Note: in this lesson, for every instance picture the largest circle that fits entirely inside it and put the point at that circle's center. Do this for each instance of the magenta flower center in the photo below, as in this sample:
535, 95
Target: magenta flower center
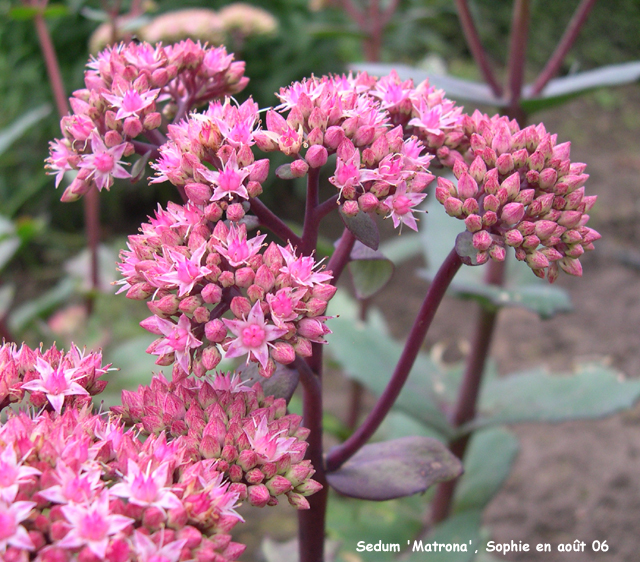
401, 204
238, 251
103, 162
229, 180
282, 306
132, 102
188, 272
93, 527
144, 489
8, 474
56, 383
253, 336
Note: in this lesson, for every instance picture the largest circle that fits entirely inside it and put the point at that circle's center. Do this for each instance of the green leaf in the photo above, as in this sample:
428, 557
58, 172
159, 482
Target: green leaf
7, 293
456, 88
462, 529
363, 227
560, 90
55, 11
282, 384
284, 172
487, 464
395, 469
391, 522
328, 31
370, 270
139, 167
13, 132
8, 248
369, 355
398, 424
41, 306
594, 391
23, 13
94, 15
521, 288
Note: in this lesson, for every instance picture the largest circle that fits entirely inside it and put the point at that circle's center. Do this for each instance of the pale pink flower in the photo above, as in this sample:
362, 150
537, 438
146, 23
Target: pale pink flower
74, 487
55, 383
149, 551
12, 474
11, 532
401, 205
58, 161
146, 488
284, 303
268, 445
104, 163
228, 181
92, 525
252, 336
230, 382
131, 102
236, 248
187, 272
438, 118
301, 269
178, 338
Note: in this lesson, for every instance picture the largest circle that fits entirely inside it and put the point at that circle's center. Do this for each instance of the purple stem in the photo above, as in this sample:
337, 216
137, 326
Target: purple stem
517, 51
144, 147
476, 48
324, 208
342, 453
272, 222
465, 408
311, 220
568, 39
340, 257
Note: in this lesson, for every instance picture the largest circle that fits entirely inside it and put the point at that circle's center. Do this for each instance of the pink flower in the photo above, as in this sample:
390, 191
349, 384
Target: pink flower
236, 248
148, 488
12, 474
228, 181
58, 161
104, 163
131, 102
149, 551
178, 339
73, 487
252, 336
436, 119
55, 383
11, 532
187, 272
284, 303
269, 446
401, 204
92, 525
301, 269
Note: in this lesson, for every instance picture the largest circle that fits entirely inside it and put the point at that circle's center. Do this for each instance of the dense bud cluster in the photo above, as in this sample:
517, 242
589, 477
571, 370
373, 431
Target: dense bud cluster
53, 378
126, 86
248, 436
519, 188
194, 271
80, 486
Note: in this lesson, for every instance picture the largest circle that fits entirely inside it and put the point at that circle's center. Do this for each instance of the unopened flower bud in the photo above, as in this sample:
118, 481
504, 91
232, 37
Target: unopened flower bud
112, 138
478, 169
316, 156
298, 500
299, 168
240, 306
473, 223
482, 240
537, 260
333, 136
132, 127
511, 185
283, 353
453, 207
512, 213
278, 485
467, 187
505, 164
258, 495
470, 206
350, 208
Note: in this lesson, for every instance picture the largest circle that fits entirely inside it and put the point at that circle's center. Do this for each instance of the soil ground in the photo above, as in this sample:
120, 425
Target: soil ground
578, 480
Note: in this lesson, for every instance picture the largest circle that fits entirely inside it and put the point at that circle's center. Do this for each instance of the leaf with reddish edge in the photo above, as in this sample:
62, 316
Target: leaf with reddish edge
363, 227
395, 469
370, 270
282, 384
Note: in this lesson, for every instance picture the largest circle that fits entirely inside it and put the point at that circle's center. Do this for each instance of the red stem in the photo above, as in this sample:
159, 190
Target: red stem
476, 48
51, 62
342, 453
518, 51
311, 220
465, 408
340, 257
568, 39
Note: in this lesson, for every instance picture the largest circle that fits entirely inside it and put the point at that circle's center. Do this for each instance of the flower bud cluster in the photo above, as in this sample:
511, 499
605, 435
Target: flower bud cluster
193, 271
124, 88
209, 156
247, 436
79, 486
53, 378
385, 133
519, 188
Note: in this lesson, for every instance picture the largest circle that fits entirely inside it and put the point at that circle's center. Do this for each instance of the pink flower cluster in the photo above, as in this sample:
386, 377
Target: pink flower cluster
53, 378
385, 133
125, 86
76, 485
248, 437
519, 188
194, 271
209, 155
